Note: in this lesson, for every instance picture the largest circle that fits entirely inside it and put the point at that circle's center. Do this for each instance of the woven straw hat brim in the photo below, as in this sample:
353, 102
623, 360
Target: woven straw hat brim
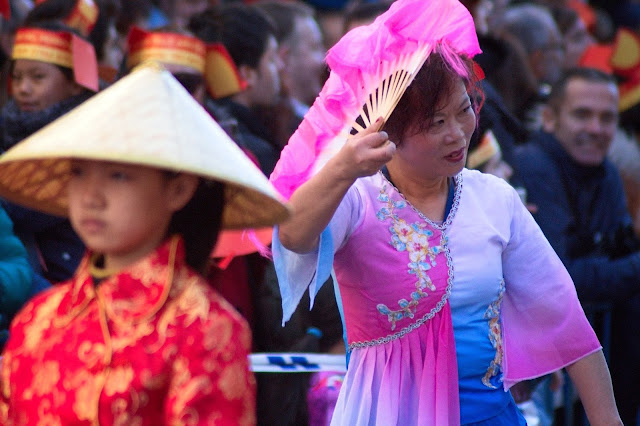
146, 118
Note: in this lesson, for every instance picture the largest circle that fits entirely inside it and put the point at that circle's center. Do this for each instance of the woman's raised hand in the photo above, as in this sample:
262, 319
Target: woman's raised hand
365, 153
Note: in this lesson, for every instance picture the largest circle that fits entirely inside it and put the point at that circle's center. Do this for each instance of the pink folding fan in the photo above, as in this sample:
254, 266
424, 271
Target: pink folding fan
371, 67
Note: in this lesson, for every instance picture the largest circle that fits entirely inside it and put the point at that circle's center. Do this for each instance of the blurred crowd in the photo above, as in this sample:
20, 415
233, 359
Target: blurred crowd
571, 149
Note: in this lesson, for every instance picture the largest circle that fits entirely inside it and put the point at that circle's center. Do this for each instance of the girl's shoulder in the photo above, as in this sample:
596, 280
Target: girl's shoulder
208, 320
44, 304
198, 300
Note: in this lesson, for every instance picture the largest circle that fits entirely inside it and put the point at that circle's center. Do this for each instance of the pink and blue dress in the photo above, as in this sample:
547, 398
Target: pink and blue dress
440, 319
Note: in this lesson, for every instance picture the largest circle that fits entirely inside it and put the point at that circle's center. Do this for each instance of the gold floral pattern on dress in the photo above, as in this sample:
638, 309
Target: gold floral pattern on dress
87, 388
44, 378
41, 320
189, 386
414, 239
230, 386
124, 337
495, 336
119, 380
47, 419
91, 353
81, 352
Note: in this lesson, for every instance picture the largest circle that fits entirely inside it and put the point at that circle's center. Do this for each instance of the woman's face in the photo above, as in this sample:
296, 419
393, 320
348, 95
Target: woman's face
38, 85
441, 150
121, 211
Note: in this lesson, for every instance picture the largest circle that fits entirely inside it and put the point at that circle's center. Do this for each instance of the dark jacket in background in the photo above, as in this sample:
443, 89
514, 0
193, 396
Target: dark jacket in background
579, 208
253, 136
582, 212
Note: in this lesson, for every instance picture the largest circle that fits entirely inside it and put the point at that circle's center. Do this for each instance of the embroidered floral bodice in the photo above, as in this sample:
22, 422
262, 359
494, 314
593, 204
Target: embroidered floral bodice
398, 299
448, 307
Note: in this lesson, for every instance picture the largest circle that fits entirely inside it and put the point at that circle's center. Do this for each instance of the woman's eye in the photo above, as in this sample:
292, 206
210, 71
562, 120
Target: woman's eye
437, 123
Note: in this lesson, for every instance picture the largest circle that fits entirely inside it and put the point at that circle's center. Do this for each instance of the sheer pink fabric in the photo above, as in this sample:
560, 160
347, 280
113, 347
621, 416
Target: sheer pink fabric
405, 26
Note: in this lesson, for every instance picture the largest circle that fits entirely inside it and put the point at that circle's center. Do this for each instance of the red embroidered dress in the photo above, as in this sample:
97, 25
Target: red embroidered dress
151, 345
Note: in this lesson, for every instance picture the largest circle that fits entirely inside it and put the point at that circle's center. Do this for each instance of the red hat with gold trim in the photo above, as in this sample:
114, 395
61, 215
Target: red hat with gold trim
83, 16
165, 48
221, 75
59, 48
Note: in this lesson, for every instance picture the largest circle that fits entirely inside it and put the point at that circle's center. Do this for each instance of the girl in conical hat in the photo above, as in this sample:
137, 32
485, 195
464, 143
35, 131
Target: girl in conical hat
136, 336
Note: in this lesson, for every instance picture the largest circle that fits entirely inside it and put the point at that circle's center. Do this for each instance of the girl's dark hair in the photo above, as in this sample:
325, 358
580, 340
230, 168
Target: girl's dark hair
435, 80
243, 30
199, 223
51, 10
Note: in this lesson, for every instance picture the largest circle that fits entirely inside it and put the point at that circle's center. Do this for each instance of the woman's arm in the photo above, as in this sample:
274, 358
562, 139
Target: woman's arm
315, 202
591, 377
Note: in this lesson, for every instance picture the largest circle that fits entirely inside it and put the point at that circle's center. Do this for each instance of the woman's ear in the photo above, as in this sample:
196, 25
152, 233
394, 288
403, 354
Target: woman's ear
180, 190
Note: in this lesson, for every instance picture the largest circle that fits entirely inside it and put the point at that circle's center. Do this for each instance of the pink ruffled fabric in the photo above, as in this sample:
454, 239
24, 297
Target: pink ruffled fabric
408, 381
405, 26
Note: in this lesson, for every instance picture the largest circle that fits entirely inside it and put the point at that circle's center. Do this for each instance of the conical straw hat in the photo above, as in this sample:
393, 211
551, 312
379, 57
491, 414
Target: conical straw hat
146, 118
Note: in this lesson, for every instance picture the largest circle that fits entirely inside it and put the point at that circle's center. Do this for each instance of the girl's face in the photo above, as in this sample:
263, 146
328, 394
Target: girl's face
123, 211
38, 85
441, 151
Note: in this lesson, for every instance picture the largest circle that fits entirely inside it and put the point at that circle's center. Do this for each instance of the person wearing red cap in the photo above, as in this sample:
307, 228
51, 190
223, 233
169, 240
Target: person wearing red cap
180, 53
93, 19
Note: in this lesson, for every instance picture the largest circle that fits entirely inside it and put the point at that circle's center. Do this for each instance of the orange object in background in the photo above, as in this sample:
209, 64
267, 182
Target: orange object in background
233, 243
